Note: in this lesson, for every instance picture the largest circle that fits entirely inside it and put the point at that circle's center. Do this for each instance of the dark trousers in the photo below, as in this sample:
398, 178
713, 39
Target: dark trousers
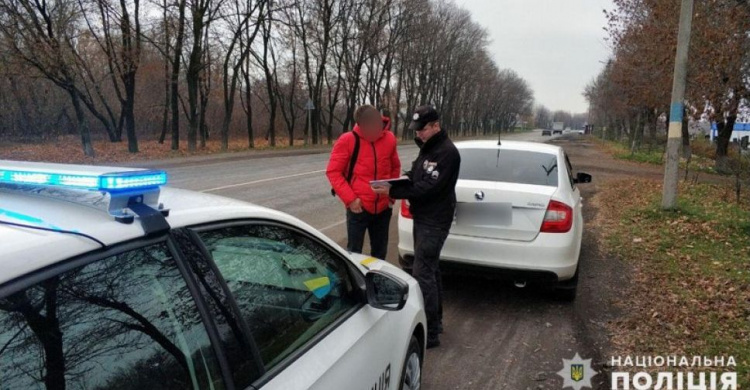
428, 242
377, 225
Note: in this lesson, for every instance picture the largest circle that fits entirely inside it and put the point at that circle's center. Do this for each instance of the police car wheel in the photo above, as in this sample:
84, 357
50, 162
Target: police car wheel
411, 378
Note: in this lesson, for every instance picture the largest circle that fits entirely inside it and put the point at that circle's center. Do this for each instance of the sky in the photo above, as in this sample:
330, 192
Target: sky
558, 46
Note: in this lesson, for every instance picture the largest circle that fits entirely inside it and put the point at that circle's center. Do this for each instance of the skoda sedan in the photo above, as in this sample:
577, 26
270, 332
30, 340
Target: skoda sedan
518, 213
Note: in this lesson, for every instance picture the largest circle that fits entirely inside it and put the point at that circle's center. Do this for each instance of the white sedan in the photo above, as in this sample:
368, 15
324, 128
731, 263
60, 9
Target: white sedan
518, 211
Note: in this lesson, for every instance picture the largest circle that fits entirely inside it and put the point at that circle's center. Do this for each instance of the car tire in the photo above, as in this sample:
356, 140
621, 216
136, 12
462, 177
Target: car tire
411, 374
566, 291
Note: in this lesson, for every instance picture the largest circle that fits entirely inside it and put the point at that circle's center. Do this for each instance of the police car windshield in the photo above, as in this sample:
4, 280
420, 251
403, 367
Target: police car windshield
509, 166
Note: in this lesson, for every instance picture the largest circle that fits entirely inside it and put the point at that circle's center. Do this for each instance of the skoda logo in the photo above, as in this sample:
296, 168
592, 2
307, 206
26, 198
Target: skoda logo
479, 195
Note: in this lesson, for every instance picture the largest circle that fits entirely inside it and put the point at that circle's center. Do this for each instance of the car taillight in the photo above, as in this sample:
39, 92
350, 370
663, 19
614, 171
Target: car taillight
405, 209
558, 218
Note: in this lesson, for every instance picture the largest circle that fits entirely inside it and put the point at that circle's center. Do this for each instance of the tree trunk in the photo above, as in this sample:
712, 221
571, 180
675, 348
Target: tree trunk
248, 107
82, 123
192, 78
723, 137
128, 112
175, 77
167, 78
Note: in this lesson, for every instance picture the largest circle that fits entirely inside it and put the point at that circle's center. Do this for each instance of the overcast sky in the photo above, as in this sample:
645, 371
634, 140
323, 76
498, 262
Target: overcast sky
556, 45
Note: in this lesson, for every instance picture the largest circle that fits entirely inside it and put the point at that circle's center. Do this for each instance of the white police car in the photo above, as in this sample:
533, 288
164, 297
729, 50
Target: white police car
109, 281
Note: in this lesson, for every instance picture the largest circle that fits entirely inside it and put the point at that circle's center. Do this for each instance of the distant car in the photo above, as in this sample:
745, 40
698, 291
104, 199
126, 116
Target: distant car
547, 132
557, 131
517, 213
108, 280
581, 132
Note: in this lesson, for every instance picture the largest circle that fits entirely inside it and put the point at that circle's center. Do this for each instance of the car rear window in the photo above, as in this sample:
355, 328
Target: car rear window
510, 166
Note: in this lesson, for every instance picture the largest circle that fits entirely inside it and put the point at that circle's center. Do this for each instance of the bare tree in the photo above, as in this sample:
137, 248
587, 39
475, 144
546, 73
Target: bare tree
40, 34
117, 32
239, 24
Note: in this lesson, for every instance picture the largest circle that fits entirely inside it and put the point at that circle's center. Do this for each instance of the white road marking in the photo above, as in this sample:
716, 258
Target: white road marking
331, 226
262, 181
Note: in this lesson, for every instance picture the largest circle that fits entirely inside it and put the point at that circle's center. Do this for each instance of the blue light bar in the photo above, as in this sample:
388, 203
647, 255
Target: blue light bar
131, 180
116, 181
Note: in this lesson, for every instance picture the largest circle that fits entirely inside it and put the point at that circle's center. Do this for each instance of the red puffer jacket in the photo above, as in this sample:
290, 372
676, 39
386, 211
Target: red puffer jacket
376, 161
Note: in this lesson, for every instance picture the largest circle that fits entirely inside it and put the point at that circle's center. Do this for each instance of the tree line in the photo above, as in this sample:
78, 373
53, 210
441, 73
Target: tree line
631, 96
194, 70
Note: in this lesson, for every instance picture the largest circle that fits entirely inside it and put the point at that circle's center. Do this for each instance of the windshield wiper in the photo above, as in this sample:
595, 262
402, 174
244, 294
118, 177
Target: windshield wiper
552, 168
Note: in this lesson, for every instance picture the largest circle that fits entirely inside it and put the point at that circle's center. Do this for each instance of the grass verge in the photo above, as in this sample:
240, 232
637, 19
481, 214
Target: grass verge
620, 151
702, 159
690, 290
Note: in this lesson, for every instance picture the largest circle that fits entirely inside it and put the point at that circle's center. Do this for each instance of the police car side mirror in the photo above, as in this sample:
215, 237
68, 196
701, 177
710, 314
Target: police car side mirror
385, 291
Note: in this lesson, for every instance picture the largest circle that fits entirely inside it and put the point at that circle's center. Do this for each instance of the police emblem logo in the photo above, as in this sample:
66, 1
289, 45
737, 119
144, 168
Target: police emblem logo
577, 373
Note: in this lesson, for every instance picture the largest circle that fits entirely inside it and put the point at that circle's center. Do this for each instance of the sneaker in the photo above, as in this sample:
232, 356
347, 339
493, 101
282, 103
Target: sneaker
433, 342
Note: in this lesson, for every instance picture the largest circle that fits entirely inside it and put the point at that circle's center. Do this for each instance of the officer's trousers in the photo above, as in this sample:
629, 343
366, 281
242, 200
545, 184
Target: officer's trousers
428, 242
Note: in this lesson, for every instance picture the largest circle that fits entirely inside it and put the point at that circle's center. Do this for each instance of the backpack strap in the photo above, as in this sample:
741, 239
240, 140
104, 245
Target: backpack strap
353, 160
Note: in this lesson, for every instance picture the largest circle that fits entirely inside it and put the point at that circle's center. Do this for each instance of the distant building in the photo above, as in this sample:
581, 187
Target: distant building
740, 130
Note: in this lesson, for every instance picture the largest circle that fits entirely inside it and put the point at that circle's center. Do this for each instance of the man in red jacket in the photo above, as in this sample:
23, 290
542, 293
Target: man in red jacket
377, 159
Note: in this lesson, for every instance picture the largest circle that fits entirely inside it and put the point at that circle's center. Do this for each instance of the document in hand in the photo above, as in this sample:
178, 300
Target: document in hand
389, 182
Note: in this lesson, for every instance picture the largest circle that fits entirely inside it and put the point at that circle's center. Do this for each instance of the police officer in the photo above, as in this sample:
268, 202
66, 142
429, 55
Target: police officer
432, 197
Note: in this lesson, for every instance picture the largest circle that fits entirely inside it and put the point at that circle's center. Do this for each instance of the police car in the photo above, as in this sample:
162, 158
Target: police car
109, 280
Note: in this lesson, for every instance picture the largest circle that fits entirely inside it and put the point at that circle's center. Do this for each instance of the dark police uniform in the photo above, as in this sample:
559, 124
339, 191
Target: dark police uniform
432, 199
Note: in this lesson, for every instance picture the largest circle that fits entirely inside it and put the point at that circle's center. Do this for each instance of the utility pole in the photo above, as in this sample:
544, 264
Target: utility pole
672, 166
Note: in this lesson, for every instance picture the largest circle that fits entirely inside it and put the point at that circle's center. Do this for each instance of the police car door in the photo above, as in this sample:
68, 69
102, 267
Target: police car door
305, 308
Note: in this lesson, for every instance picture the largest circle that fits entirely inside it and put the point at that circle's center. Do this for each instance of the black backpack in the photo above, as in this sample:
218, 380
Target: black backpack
352, 161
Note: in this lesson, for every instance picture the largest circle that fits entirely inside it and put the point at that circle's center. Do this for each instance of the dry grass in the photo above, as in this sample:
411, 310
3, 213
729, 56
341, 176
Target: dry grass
68, 150
690, 288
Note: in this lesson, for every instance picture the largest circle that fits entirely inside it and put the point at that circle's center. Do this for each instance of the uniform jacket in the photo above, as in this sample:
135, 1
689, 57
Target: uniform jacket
377, 160
432, 191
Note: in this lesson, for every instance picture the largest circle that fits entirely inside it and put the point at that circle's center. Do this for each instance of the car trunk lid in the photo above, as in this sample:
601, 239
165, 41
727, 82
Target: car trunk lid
503, 193
498, 210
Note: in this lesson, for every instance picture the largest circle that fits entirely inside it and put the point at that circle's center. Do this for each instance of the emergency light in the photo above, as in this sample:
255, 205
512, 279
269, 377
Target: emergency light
126, 191
78, 177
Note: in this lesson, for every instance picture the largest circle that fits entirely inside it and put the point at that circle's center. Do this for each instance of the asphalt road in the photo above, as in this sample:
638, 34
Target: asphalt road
294, 184
496, 336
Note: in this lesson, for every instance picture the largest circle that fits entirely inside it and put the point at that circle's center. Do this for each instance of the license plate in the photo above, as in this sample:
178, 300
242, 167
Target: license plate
484, 214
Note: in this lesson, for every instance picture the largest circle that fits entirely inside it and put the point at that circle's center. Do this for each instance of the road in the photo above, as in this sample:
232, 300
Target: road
496, 336
294, 184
